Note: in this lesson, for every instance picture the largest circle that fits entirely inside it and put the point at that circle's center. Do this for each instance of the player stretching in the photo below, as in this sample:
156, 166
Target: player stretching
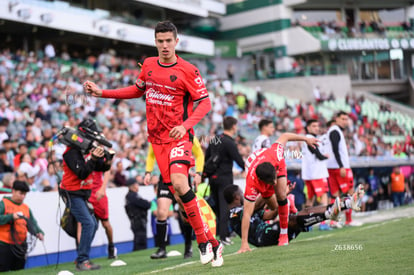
339, 169
267, 176
314, 171
172, 86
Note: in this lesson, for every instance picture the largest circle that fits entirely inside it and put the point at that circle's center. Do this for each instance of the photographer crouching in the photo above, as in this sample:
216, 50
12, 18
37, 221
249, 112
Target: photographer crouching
79, 161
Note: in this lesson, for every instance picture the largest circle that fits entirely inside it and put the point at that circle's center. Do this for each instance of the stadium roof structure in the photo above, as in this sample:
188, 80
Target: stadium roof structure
362, 4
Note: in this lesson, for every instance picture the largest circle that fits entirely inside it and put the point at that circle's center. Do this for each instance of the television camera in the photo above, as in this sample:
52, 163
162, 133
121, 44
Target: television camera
84, 138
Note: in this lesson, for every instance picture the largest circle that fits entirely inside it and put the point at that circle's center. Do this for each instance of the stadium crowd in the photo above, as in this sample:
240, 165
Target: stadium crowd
40, 93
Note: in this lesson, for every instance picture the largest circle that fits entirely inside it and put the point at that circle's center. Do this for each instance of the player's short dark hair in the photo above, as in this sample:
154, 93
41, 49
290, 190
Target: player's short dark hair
330, 122
341, 113
266, 172
264, 122
20, 186
308, 123
166, 26
229, 193
229, 122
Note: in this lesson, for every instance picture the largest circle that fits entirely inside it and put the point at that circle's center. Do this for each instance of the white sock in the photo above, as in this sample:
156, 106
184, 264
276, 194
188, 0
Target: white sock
348, 203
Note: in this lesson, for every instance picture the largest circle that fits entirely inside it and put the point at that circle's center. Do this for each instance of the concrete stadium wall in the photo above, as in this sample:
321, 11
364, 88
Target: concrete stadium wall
302, 87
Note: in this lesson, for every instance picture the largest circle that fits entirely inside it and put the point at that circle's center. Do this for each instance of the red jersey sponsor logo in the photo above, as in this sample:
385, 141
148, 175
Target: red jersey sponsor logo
198, 81
158, 98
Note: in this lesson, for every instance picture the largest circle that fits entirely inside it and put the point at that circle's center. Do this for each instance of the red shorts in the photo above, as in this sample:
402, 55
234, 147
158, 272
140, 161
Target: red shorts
100, 208
174, 157
316, 187
337, 183
254, 186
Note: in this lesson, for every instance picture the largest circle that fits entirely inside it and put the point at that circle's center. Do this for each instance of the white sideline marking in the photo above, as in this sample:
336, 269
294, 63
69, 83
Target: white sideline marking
305, 240
184, 264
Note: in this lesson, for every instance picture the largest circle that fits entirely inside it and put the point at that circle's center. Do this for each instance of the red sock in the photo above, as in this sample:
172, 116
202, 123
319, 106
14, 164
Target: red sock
283, 216
348, 215
210, 236
194, 218
333, 200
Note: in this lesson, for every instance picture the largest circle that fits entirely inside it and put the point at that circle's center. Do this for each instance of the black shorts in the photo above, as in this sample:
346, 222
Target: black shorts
164, 191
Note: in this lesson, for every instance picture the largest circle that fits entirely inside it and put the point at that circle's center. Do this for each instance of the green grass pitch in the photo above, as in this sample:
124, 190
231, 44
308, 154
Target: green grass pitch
376, 248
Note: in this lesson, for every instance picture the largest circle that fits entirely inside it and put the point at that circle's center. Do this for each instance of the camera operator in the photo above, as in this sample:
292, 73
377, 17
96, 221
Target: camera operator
76, 189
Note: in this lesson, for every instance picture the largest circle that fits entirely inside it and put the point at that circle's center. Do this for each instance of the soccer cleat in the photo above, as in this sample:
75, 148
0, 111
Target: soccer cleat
353, 223
188, 253
87, 265
227, 241
159, 254
291, 201
283, 240
218, 256
356, 198
206, 252
336, 209
112, 252
324, 227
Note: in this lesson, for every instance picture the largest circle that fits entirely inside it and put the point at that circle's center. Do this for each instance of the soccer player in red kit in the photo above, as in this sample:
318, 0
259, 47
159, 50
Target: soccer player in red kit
267, 176
99, 201
172, 86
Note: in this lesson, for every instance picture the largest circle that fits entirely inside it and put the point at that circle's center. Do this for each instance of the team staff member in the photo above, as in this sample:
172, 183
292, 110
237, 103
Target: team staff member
341, 178
314, 170
136, 208
16, 219
267, 176
226, 147
172, 86
165, 199
75, 188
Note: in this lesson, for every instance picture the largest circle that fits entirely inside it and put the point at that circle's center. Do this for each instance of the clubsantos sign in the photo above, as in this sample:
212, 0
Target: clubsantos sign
361, 44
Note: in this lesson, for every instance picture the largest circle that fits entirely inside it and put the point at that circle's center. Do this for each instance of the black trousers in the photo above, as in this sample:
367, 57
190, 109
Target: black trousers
220, 208
8, 261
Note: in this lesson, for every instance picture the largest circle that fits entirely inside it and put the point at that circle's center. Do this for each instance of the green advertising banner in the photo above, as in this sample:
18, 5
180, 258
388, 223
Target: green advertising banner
367, 44
226, 48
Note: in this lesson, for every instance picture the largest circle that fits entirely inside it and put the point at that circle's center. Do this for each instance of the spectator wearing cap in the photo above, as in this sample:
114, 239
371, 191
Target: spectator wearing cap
41, 159
136, 208
16, 220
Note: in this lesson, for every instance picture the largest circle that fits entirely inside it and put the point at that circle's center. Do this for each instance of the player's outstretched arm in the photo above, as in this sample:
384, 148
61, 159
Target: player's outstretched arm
122, 93
92, 89
247, 213
285, 137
